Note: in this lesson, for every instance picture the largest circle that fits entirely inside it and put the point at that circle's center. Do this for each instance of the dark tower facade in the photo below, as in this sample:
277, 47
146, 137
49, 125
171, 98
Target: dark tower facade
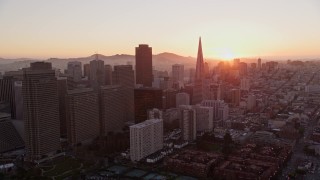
40, 110
124, 75
144, 100
144, 65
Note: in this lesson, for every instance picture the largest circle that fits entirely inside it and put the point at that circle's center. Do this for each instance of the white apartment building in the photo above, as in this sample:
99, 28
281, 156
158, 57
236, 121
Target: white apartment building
145, 138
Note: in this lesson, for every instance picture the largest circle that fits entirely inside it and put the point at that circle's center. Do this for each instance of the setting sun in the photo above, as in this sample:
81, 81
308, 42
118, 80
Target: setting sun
225, 54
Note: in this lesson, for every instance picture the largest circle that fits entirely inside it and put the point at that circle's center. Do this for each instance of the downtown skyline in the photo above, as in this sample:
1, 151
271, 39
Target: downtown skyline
41, 30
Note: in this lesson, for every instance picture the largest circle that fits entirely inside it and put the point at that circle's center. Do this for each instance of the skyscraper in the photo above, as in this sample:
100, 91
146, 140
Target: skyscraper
188, 123
74, 70
177, 73
113, 108
144, 65
198, 81
146, 138
220, 110
62, 91
7, 94
86, 70
236, 63
169, 98
243, 68
108, 73
200, 63
18, 99
182, 99
259, 64
144, 100
124, 75
97, 73
245, 84
41, 110
235, 96
204, 118
82, 115
206, 69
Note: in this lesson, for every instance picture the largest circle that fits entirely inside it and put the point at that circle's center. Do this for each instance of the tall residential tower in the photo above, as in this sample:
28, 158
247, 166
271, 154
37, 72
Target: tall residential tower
41, 110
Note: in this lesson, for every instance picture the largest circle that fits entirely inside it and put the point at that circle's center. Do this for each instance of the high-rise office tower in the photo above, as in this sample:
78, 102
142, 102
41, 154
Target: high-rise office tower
188, 123
206, 69
41, 110
223, 113
198, 82
74, 70
182, 99
7, 94
259, 64
10, 89
192, 75
112, 108
204, 118
86, 70
243, 68
188, 88
178, 73
146, 138
220, 110
144, 65
124, 75
169, 98
146, 99
236, 63
18, 99
253, 66
82, 115
62, 91
97, 73
235, 96
108, 73
245, 84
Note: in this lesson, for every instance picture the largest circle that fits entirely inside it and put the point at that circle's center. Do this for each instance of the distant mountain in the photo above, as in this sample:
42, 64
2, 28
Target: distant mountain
170, 57
162, 61
7, 61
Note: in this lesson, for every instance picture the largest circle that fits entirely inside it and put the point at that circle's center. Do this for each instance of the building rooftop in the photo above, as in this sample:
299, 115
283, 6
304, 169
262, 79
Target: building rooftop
146, 123
110, 86
80, 90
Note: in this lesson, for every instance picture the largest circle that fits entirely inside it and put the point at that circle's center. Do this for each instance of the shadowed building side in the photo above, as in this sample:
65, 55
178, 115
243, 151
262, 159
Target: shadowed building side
144, 65
41, 111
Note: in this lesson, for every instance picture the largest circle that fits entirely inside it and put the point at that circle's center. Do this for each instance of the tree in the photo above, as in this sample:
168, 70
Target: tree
227, 139
1, 175
226, 150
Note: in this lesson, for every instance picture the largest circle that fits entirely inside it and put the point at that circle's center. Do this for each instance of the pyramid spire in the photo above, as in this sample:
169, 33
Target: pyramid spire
200, 65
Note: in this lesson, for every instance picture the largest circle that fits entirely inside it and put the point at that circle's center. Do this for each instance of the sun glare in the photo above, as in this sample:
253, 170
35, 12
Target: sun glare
224, 54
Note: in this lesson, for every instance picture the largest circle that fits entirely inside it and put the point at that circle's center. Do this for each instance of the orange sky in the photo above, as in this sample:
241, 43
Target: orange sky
44, 29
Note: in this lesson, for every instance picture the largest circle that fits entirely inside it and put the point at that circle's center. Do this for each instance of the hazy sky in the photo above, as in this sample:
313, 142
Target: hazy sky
229, 28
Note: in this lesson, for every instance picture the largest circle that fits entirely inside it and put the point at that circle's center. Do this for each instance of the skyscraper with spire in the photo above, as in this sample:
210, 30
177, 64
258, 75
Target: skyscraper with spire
200, 63
199, 77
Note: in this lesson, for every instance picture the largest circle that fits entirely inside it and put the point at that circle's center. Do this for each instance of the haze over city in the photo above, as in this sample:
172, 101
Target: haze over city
160, 90
250, 28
